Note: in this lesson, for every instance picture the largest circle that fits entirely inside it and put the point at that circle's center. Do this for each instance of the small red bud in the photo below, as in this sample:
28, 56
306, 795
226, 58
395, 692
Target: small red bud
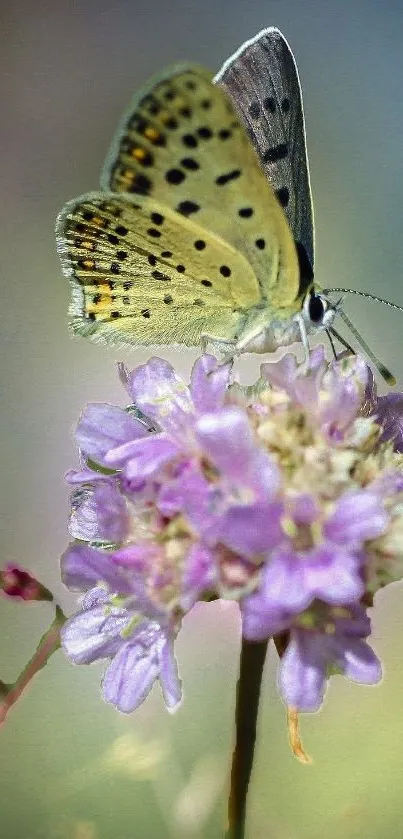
17, 582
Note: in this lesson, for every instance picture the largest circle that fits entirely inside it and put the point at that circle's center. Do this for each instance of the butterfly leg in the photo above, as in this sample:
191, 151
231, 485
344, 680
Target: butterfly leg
218, 348
218, 345
304, 341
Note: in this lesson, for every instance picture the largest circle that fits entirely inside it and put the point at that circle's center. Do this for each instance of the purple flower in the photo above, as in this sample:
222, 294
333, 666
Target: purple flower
329, 565
330, 394
330, 642
282, 496
174, 408
140, 647
104, 427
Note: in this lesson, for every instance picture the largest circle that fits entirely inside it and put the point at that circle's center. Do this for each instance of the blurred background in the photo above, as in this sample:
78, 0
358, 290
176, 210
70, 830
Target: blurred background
71, 766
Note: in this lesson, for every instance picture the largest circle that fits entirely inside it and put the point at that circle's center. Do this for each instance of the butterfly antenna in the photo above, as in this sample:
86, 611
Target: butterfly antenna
364, 294
384, 372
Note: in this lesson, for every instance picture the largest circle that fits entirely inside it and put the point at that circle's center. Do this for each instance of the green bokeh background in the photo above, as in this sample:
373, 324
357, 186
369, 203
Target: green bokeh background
71, 766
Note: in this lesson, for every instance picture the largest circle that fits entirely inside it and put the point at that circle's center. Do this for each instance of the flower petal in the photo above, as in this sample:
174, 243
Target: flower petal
171, 685
301, 675
129, 678
282, 373
132, 673
103, 427
137, 557
192, 495
84, 567
142, 458
303, 509
208, 383
360, 663
226, 437
333, 574
258, 622
250, 530
283, 583
200, 575
388, 413
358, 516
99, 513
161, 394
85, 476
281, 595
94, 634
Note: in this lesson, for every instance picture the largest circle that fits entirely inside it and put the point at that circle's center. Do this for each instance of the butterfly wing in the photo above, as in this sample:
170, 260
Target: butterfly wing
143, 274
181, 143
262, 81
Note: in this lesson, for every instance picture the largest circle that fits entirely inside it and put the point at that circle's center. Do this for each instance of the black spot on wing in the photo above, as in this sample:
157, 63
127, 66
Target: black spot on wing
275, 153
245, 212
157, 218
190, 164
190, 141
174, 176
269, 104
159, 275
228, 176
140, 184
205, 132
283, 196
186, 208
254, 110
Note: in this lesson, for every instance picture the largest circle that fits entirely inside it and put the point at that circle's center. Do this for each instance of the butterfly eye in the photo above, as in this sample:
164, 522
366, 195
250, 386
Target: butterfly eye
316, 307
318, 312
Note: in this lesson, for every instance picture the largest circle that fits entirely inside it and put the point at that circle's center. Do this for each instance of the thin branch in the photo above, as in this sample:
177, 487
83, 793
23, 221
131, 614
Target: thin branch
252, 660
48, 644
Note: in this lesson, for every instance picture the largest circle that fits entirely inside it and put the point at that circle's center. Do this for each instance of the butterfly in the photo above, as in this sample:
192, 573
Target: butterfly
203, 230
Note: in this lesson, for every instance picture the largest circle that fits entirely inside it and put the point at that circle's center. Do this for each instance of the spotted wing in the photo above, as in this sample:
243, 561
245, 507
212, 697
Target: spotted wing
143, 274
181, 143
262, 81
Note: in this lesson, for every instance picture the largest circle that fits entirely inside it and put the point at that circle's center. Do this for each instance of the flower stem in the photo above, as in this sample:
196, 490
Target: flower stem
252, 660
49, 643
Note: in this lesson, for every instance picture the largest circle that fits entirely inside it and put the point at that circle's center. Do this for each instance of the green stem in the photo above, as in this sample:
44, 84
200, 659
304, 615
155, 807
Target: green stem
252, 660
49, 643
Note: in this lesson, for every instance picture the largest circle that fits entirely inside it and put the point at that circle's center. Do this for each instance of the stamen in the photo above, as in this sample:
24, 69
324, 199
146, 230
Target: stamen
294, 736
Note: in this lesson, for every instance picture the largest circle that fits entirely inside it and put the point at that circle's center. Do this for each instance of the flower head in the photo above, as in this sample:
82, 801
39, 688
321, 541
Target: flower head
285, 496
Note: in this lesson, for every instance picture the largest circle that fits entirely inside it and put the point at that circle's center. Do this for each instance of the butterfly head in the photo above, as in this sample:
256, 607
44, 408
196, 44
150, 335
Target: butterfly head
318, 311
